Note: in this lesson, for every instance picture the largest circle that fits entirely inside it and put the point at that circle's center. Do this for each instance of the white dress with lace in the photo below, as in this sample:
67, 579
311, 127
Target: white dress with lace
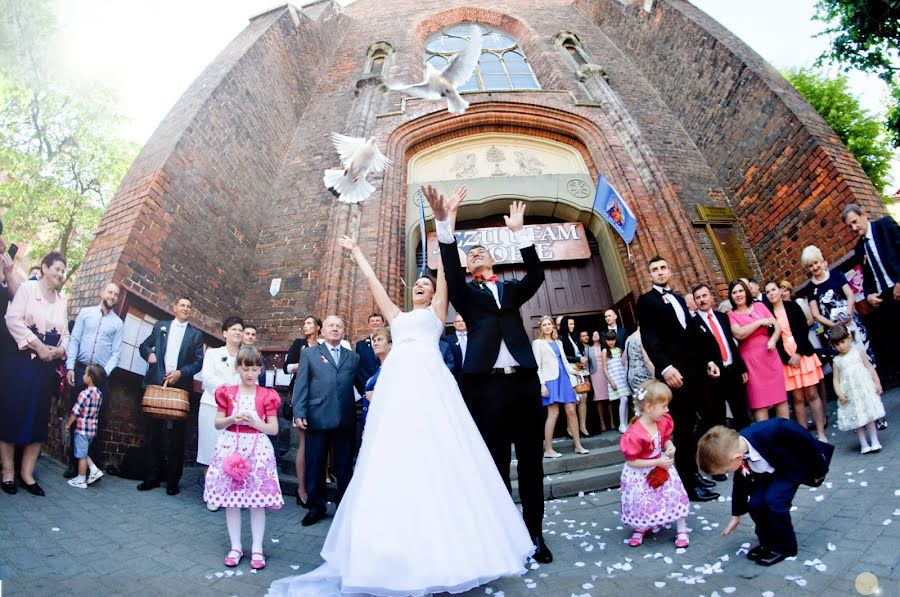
426, 510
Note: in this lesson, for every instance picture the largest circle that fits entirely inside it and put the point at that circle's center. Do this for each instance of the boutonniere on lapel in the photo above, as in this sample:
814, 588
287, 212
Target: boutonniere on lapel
163, 329
481, 280
703, 329
665, 299
324, 360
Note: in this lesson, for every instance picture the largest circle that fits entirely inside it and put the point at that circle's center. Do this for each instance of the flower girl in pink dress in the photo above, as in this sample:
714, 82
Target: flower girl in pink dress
243, 472
652, 492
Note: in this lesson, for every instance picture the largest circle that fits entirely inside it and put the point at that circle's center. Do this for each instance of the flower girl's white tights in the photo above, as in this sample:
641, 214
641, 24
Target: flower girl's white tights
257, 527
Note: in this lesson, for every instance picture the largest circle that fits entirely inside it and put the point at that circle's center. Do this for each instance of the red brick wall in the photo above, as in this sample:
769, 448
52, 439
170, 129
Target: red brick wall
785, 172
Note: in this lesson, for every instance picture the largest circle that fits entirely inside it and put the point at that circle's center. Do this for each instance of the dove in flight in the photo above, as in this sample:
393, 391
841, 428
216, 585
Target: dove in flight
359, 157
438, 84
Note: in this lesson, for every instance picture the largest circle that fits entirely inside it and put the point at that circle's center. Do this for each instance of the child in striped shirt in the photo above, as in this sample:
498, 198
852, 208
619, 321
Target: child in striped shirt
84, 416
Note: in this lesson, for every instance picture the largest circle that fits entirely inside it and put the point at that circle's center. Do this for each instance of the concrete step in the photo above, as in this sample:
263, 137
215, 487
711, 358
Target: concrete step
571, 462
572, 483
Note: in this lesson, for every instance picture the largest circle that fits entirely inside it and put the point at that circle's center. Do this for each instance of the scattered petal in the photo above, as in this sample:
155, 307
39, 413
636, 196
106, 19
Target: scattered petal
821, 567
729, 590
659, 584
886, 522
587, 585
863, 483
768, 594
667, 559
832, 547
626, 567
579, 564
295, 567
274, 540
819, 498
680, 550
220, 574
55, 529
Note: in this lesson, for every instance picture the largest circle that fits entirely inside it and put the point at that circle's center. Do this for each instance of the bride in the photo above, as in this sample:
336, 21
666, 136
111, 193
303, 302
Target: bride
426, 511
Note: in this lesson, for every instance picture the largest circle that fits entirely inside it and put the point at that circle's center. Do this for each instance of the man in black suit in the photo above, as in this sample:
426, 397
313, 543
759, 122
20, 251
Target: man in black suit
682, 358
730, 386
612, 324
368, 362
878, 250
174, 353
499, 381
458, 342
324, 407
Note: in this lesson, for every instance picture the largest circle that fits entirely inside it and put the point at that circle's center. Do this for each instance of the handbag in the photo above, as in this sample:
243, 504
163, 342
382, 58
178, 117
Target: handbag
236, 465
583, 387
657, 477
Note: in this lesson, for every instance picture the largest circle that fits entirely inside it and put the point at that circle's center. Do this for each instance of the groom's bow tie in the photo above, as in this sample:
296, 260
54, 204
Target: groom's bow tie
665, 290
479, 279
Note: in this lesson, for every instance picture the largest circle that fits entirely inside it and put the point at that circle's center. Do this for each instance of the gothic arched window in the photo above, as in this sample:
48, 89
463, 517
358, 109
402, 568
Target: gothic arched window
502, 66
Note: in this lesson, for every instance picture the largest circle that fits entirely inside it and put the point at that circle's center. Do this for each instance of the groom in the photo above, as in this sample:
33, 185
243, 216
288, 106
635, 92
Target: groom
499, 375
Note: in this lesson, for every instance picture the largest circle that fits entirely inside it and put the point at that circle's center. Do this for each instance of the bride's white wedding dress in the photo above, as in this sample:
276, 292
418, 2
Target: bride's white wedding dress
426, 510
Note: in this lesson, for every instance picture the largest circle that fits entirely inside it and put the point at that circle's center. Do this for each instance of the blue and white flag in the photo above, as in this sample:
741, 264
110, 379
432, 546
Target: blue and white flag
609, 204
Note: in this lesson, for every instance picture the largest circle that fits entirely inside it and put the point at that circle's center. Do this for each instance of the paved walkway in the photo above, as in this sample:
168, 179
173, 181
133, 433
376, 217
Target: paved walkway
112, 540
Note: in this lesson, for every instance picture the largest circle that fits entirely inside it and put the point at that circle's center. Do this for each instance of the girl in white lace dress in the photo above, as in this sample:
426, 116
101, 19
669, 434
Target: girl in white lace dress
858, 390
426, 510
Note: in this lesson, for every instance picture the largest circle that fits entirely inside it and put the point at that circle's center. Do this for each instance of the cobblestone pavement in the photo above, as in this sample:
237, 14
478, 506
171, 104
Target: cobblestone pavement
112, 540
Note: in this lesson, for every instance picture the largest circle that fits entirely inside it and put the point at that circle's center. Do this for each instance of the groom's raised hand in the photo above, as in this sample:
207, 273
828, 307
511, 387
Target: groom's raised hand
444, 209
515, 221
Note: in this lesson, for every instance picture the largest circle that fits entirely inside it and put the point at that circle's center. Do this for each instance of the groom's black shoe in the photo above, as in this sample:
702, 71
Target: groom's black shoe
701, 481
312, 517
542, 554
701, 494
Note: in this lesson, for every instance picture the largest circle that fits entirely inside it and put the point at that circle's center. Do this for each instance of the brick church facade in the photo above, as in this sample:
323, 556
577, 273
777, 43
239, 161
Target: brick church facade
727, 169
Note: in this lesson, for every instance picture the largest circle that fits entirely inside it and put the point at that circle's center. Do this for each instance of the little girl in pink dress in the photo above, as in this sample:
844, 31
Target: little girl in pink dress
652, 492
243, 472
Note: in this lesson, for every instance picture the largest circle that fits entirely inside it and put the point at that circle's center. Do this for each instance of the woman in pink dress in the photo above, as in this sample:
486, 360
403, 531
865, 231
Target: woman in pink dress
599, 383
757, 333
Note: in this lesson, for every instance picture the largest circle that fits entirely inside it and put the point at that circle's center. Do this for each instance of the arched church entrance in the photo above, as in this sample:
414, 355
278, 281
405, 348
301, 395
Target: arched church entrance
584, 271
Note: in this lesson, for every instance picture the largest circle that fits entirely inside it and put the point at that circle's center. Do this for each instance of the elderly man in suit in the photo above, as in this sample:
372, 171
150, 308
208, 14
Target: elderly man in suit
878, 250
682, 359
324, 407
174, 353
612, 324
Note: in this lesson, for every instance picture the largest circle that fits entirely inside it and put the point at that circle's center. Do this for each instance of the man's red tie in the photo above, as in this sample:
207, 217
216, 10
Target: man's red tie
715, 330
480, 278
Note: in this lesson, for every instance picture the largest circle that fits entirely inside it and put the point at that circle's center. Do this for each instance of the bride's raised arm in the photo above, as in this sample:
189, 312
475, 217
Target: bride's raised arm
439, 302
385, 304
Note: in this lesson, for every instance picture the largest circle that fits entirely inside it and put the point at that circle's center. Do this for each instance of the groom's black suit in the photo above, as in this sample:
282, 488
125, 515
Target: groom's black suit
506, 407
688, 349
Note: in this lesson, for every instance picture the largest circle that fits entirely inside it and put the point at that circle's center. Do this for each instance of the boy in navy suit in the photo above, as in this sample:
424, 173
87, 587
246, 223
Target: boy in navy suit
770, 460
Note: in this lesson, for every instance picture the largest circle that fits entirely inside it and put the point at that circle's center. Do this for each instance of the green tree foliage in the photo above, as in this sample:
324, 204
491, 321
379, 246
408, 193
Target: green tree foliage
862, 133
866, 36
61, 159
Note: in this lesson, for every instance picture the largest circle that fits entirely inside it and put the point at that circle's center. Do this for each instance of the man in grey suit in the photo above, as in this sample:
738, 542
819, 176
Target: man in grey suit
324, 407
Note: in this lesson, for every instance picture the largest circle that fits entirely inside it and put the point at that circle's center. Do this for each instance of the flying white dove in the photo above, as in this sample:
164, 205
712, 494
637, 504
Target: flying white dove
359, 157
438, 84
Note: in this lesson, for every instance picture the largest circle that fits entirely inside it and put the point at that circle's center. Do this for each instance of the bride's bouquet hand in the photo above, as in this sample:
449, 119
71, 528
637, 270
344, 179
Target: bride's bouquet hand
347, 243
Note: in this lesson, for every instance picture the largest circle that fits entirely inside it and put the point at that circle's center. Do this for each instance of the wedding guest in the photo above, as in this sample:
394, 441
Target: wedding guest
612, 323
832, 301
574, 354
770, 460
556, 389
614, 370
757, 333
36, 320
458, 341
243, 472
174, 354
324, 407
674, 344
858, 389
691, 304
599, 385
584, 345
878, 249
447, 355
96, 338
35, 273
311, 328
381, 346
801, 365
368, 362
652, 492
86, 413
218, 370
730, 387
250, 336
638, 366
753, 285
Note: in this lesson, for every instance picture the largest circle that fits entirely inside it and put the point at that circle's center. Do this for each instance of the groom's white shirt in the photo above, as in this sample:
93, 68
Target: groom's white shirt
523, 240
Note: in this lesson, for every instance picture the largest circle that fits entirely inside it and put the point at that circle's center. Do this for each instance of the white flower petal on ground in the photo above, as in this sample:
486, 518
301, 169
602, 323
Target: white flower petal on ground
819, 498
295, 567
659, 584
55, 529
667, 559
579, 564
274, 540
587, 585
768, 594
626, 567
886, 522
729, 590
832, 547
220, 574
680, 550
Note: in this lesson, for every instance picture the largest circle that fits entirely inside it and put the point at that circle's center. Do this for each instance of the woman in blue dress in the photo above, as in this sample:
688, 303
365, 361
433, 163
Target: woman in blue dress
556, 386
